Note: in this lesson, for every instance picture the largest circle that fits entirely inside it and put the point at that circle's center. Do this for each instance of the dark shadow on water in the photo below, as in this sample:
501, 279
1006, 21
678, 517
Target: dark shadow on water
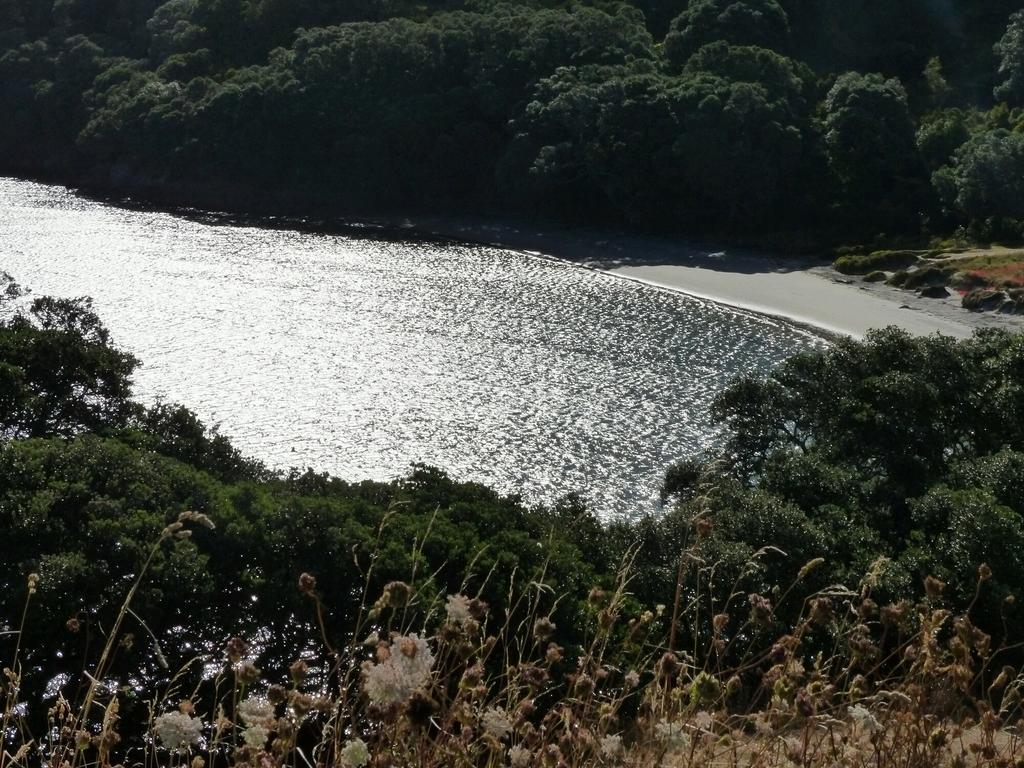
610, 249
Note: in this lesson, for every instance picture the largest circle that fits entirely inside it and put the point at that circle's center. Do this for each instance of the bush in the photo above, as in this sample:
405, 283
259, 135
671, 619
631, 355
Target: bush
877, 260
927, 277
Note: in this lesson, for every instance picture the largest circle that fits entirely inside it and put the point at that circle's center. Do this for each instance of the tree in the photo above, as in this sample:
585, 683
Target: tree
738, 22
869, 142
986, 177
60, 374
1010, 50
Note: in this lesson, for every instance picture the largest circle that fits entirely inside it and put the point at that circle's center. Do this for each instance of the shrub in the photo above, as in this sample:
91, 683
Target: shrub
877, 260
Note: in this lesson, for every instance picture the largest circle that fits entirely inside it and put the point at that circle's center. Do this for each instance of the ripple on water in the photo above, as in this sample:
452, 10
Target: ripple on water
361, 356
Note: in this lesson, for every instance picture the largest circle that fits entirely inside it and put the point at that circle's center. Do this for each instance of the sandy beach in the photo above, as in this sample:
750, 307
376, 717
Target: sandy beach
803, 290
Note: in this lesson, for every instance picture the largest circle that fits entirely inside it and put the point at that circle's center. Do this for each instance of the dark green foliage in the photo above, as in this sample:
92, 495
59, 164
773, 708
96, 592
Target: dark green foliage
986, 177
58, 373
761, 23
538, 107
869, 141
862, 264
673, 148
1010, 50
898, 447
503, 106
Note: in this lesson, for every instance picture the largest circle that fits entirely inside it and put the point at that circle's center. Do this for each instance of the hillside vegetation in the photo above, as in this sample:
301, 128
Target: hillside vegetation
846, 567
827, 120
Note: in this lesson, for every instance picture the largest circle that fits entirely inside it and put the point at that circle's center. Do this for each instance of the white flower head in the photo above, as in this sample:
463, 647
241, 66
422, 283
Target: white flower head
671, 734
762, 724
862, 716
255, 710
611, 747
457, 609
178, 731
703, 720
256, 736
496, 723
406, 669
355, 754
520, 757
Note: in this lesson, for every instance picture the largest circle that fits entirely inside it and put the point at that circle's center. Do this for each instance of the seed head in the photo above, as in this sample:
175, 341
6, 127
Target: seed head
237, 649
543, 629
934, 588
307, 583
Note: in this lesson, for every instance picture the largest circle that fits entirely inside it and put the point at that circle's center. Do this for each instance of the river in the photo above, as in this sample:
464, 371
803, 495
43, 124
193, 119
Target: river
360, 355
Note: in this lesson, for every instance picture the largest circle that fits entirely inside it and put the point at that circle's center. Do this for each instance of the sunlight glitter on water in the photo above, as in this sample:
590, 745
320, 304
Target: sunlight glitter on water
359, 356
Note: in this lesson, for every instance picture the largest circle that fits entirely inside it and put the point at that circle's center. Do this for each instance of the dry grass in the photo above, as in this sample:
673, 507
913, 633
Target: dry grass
426, 682
989, 268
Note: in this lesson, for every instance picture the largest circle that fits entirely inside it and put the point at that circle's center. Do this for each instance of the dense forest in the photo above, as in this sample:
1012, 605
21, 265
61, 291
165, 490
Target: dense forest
839, 120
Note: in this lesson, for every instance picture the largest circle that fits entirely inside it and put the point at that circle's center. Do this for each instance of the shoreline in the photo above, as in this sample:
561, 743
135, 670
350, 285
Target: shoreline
802, 290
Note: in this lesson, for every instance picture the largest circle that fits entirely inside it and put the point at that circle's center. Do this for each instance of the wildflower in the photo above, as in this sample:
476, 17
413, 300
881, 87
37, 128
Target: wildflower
307, 583
821, 610
805, 703
496, 723
247, 672
760, 608
934, 588
543, 628
611, 747
584, 685
255, 710
256, 736
396, 595
984, 572
301, 703
299, 671
406, 668
703, 720
276, 694
478, 609
670, 734
668, 665
177, 731
236, 649
862, 716
355, 754
762, 724
632, 679
519, 757
457, 608
533, 675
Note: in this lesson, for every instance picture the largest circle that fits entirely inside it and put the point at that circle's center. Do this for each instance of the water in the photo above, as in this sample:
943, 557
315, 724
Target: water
359, 356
